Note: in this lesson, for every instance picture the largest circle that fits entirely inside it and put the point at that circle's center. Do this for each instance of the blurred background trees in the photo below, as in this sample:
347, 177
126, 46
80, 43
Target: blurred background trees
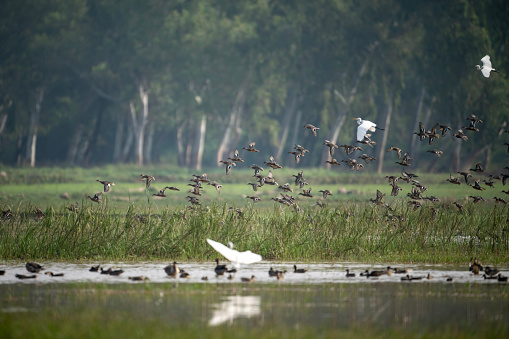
86, 82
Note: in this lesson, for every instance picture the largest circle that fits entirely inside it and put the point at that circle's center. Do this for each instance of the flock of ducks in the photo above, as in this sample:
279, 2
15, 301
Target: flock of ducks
174, 271
405, 160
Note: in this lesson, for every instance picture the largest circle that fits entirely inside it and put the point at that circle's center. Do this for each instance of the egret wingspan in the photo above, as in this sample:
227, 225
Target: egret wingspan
235, 256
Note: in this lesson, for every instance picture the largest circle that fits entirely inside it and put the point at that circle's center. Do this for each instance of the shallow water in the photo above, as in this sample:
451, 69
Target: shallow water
318, 273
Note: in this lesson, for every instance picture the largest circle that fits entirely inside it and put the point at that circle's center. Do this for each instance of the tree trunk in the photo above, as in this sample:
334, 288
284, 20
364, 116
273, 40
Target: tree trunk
126, 150
235, 114
149, 142
83, 151
201, 142
180, 144
3, 121
72, 151
290, 110
139, 123
381, 152
34, 126
119, 138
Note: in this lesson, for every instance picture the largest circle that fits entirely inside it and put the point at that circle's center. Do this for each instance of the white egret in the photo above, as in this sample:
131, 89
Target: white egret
237, 258
486, 66
364, 127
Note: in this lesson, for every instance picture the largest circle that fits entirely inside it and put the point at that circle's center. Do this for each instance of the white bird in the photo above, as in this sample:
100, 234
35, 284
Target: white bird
364, 127
486, 66
237, 258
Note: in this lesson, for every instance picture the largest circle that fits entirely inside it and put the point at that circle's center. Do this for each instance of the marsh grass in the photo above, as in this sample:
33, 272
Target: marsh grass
347, 231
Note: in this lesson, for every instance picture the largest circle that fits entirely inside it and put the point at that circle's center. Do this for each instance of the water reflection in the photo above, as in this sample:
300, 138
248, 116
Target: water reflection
235, 307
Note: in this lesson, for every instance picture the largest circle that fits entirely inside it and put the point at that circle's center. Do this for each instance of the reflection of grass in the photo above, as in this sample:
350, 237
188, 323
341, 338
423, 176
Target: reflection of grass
343, 230
287, 311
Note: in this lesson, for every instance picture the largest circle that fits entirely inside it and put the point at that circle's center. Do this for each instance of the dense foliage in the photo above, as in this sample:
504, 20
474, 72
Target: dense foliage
86, 82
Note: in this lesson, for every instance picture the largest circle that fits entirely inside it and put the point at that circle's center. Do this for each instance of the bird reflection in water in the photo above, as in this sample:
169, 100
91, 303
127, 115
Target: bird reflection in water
235, 307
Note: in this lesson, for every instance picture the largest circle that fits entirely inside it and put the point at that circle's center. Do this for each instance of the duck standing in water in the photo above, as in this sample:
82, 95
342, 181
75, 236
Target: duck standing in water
33, 267
172, 270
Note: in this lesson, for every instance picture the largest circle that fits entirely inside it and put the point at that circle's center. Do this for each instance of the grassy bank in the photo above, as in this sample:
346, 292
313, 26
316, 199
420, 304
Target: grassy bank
342, 231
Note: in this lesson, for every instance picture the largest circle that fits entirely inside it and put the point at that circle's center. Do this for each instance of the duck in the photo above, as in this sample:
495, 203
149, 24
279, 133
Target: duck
39, 213
172, 270
331, 146
107, 185
103, 271
217, 186
401, 271
491, 271
184, 275
275, 273
367, 158
478, 168
248, 280
422, 132
297, 156
348, 274
251, 147
256, 168
477, 185
325, 193
349, 149
333, 162
229, 164
286, 187
96, 197
436, 152
236, 157
22, 276
33, 267
231, 277
139, 278
388, 271
2, 272
254, 186
489, 277
502, 278
254, 199
306, 193
148, 179
54, 274
220, 269
116, 272
298, 270
205, 278
272, 163
460, 135
475, 266
466, 176
396, 149
312, 128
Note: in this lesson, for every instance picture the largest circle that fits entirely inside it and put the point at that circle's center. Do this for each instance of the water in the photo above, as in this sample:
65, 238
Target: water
318, 273
322, 298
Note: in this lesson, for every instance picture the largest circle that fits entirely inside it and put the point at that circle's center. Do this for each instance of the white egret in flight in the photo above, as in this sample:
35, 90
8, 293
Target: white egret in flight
486, 66
364, 127
237, 258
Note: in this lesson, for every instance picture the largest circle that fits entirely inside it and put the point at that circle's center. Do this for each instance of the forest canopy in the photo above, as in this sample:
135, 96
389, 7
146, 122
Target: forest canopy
86, 82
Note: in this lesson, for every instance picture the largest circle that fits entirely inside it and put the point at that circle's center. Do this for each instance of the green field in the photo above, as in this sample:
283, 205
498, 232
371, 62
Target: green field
131, 224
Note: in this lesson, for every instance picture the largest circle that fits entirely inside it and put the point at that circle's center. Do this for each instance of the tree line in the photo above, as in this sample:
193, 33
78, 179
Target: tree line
86, 82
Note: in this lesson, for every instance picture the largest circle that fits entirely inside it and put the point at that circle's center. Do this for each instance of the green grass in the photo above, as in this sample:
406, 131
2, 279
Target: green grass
131, 224
347, 231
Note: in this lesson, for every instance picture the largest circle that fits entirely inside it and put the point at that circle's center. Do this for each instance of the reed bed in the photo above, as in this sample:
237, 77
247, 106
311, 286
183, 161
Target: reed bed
350, 231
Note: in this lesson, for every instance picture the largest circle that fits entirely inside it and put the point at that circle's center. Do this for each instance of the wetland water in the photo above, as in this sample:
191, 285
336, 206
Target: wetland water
320, 298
